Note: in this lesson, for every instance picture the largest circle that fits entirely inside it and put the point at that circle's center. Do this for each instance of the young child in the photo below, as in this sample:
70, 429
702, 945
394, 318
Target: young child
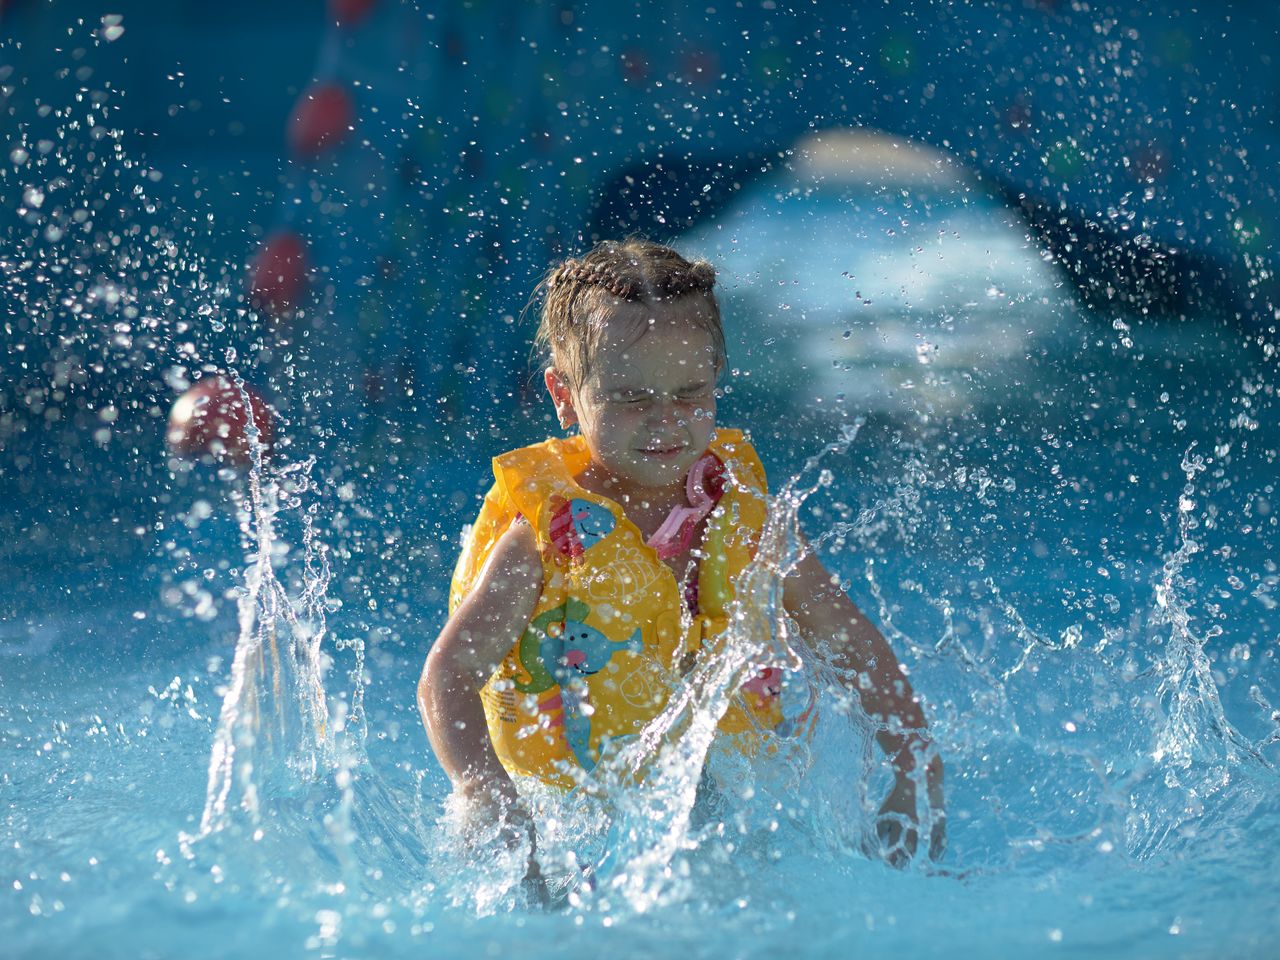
566, 632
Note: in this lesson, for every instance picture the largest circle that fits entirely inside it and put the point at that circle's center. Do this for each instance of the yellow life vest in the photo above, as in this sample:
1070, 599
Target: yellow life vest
602, 651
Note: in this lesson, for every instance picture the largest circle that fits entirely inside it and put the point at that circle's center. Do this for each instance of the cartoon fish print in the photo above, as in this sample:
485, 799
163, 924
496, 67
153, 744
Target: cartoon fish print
583, 651
560, 648
577, 525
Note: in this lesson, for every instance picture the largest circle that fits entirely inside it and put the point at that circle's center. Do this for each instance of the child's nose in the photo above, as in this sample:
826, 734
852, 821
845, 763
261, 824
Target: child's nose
662, 410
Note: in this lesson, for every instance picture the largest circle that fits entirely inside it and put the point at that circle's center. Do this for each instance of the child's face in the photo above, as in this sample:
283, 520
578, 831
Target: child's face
647, 409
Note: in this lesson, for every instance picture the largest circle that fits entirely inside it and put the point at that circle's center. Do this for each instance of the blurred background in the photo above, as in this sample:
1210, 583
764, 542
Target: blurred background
913, 207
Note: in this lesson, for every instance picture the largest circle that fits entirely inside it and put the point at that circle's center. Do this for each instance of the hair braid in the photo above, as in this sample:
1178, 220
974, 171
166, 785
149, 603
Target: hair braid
579, 293
596, 274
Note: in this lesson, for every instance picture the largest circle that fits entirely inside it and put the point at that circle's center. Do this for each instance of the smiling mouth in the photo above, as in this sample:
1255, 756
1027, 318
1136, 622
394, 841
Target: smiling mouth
661, 451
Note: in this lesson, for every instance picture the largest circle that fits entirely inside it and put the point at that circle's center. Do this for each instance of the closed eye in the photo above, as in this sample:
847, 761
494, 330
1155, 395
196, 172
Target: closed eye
695, 394
696, 391
628, 397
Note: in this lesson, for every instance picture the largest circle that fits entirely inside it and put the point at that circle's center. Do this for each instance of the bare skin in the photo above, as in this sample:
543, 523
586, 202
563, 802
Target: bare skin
824, 612
465, 655
647, 412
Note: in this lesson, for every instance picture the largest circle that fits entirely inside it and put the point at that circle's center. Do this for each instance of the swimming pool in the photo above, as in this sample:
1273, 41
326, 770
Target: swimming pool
1084, 589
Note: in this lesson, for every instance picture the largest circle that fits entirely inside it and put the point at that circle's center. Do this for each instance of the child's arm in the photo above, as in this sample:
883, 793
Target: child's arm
483, 628
824, 612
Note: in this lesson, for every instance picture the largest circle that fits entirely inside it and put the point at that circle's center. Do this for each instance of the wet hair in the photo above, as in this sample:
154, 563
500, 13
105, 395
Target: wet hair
581, 293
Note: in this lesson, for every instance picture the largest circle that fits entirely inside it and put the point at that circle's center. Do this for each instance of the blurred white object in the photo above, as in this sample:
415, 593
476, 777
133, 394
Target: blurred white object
879, 274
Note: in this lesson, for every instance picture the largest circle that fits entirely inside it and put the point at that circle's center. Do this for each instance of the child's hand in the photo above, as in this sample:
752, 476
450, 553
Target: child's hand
898, 823
498, 802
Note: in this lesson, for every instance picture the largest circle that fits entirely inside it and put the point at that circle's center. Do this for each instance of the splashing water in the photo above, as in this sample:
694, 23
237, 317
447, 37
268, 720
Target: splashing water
672, 750
275, 717
1195, 723
1196, 751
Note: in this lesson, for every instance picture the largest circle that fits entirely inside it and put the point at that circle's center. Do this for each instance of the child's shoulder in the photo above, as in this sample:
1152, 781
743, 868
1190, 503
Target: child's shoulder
555, 458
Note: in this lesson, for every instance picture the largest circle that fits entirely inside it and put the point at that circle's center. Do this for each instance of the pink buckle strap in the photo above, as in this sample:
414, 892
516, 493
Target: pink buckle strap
704, 486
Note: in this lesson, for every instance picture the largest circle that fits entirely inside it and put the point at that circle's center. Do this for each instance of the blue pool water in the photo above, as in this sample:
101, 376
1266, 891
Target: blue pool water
1085, 595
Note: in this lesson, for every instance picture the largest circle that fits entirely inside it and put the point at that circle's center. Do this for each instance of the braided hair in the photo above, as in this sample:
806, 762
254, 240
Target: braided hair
579, 294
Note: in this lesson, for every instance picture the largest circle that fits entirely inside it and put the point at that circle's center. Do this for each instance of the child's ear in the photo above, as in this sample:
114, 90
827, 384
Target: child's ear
561, 396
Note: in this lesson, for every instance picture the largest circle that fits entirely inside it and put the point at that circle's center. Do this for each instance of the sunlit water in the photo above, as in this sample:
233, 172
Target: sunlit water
215, 751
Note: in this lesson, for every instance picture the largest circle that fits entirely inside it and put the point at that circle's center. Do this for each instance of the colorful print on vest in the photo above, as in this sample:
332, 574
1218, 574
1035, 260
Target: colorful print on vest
559, 648
577, 525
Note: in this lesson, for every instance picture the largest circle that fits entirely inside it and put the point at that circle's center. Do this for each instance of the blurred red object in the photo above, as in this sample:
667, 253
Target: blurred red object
348, 13
208, 422
278, 274
321, 120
